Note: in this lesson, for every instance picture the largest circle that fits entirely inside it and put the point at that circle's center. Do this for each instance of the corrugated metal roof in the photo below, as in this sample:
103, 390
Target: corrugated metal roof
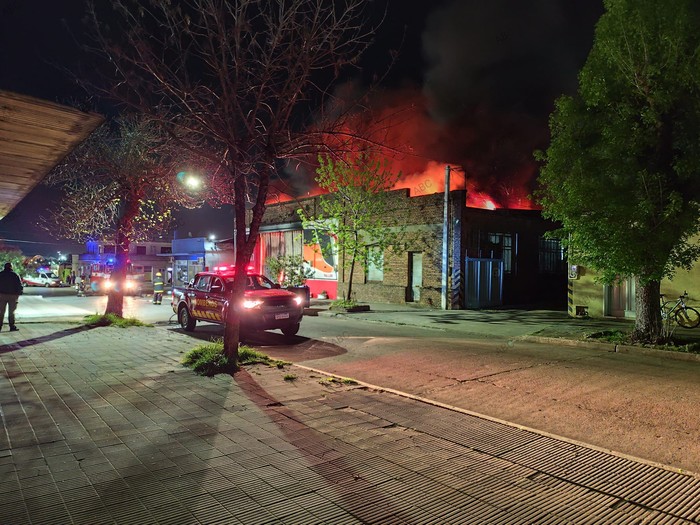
35, 135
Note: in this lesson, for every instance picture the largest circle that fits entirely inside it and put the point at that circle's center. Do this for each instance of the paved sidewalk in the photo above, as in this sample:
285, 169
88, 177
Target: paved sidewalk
535, 325
103, 426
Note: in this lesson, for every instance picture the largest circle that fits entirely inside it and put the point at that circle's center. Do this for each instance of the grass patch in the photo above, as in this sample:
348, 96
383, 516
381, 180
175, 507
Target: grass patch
112, 320
290, 377
344, 303
209, 359
335, 380
680, 346
619, 337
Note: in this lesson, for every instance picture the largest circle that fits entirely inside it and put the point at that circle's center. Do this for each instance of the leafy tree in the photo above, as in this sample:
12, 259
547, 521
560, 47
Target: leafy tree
236, 81
355, 211
14, 256
621, 170
120, 184
289, 269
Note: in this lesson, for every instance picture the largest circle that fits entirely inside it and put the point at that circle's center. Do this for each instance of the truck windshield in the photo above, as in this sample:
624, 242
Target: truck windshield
256, 282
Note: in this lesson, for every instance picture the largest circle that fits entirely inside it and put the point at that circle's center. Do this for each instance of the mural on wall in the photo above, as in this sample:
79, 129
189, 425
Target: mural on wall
318, 251
321, 255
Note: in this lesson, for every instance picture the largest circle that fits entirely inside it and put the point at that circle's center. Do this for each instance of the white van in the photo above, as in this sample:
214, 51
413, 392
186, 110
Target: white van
41, 279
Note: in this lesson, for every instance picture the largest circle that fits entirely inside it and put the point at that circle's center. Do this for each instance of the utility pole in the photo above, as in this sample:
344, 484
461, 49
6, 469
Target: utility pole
444, 299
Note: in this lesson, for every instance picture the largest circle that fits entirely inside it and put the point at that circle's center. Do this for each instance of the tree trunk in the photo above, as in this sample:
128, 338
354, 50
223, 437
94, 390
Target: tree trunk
352, 266
648, 326
232, 328
244, 244
115, 297
352, 272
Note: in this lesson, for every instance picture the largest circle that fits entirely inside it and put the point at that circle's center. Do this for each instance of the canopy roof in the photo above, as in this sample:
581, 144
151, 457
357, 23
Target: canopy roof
35, 135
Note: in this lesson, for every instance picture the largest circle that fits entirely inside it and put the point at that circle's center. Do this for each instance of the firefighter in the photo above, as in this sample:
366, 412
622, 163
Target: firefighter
158, 287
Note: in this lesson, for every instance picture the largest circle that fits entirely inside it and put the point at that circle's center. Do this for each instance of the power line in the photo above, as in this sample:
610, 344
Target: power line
41, 242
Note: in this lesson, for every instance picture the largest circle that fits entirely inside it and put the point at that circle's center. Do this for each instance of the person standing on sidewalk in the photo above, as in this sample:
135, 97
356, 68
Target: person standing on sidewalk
10, 290
158, 288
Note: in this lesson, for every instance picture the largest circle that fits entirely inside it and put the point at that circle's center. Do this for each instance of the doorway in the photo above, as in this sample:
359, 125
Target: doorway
415, 276
620, 299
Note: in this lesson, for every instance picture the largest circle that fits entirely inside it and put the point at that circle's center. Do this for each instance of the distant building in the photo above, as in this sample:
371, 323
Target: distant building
589, 297
195, 254
145, 258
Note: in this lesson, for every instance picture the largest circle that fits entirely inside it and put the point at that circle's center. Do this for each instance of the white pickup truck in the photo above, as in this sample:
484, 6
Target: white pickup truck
41, 279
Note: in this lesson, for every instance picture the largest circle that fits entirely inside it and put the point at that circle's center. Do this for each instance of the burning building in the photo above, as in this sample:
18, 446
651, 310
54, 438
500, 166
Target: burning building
494, 257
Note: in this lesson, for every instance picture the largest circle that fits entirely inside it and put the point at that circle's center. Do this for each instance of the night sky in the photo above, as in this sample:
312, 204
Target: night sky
486, 73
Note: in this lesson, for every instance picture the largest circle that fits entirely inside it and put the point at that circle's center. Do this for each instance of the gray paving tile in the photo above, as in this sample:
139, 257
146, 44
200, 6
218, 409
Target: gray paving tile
143, 440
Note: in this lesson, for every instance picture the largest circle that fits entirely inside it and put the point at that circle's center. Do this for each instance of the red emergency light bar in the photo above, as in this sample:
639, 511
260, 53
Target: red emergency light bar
232, 268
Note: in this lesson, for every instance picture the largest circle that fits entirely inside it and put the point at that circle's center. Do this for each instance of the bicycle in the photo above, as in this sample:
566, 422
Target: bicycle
684, 315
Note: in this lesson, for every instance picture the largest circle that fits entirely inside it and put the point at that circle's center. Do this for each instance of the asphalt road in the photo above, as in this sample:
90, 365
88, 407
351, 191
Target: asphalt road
643, 406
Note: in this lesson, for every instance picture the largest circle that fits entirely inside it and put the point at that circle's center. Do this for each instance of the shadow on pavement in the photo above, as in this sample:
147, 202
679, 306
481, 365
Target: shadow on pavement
4, 349
319, 453
289, 348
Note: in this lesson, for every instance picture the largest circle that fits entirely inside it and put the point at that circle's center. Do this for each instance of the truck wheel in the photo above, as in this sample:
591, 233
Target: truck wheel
291, 330
187, 322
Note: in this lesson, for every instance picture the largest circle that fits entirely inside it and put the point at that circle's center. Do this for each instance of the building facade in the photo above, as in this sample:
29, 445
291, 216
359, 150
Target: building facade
145, 259
494, 257
589, 297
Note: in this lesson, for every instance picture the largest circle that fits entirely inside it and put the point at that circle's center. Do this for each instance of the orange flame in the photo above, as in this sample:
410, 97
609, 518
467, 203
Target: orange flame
401, 122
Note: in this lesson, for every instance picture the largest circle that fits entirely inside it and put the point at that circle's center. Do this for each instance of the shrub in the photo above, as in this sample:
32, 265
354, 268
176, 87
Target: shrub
112, 320
209, 359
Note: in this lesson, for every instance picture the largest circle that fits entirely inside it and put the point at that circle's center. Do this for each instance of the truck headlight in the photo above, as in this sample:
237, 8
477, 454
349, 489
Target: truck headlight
252, 303
297, 300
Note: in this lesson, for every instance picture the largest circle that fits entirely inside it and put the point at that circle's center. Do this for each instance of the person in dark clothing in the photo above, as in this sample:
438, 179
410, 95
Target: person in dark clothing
10, 290
158, 288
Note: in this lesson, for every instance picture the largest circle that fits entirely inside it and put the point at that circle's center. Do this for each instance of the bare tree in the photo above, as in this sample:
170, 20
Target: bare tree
238, 80
119, 184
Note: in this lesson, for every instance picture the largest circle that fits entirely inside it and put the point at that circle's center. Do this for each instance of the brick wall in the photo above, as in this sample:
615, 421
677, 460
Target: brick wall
421, 220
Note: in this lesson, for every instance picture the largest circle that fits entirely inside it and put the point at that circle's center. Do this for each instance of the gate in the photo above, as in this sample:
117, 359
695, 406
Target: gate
483, 283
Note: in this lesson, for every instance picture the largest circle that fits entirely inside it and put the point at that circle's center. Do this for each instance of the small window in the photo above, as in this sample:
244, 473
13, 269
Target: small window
497, 246
217, 285
203, 283
110, 248
375, 264
552, 259
140, 250
166, 249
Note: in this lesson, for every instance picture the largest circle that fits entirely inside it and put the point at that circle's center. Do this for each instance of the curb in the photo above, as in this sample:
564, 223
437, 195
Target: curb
614, 348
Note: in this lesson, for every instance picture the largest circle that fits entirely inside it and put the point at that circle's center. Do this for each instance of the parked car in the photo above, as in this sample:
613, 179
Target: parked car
264, 306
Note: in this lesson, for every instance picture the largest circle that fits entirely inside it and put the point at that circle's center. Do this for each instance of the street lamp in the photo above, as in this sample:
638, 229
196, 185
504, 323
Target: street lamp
191, 181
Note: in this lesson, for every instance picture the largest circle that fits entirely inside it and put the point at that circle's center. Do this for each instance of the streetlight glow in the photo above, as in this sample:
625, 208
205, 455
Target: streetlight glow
191, 181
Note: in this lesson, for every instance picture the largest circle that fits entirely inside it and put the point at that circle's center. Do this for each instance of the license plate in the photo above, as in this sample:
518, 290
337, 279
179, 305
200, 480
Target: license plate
284, 315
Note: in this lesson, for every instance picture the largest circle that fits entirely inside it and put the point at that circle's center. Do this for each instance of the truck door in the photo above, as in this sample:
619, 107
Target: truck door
216, 302
198, 294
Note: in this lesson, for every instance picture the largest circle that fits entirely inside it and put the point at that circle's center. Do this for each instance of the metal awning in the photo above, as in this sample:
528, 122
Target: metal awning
35, 135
